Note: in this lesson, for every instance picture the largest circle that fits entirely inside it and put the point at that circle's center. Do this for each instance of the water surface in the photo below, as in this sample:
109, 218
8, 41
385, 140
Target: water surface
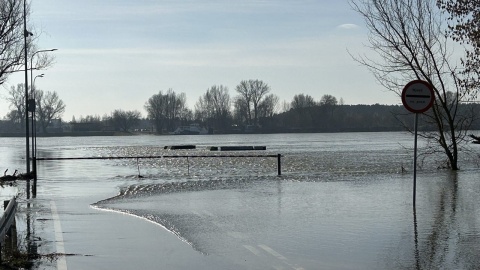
344, 201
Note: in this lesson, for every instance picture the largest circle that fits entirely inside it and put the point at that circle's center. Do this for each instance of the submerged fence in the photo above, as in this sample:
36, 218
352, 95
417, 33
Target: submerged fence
278, 156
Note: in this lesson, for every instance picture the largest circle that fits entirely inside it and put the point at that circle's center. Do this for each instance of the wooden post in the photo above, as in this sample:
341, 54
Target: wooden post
138, 168
279, 164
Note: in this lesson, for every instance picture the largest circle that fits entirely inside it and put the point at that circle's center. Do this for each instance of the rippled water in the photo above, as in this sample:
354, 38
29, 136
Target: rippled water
344, 201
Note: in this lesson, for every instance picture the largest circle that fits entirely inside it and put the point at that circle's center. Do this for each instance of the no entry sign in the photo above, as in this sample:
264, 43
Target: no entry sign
418, 96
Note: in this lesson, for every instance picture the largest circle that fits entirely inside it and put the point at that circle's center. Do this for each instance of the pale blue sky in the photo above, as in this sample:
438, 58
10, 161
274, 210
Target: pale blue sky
116, 54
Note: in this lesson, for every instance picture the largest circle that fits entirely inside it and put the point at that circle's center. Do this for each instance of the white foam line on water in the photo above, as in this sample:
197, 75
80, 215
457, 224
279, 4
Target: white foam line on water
61, 261
143, 218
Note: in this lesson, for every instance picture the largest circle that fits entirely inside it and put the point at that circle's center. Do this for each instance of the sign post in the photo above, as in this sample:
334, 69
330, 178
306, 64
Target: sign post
417, 97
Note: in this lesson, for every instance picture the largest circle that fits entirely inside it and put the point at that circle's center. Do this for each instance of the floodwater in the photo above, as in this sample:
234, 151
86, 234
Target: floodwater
343, 201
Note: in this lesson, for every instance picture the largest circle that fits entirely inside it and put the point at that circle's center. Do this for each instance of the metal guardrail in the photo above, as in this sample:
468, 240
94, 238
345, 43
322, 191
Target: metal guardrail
278, 156
153, 157
8, 218
7, 226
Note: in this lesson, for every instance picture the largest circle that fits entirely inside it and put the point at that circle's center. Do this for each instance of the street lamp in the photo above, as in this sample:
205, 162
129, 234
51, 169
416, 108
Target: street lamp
27, 99
32, 109
38, 76
32, 86
31, 63
25, 35
34, 134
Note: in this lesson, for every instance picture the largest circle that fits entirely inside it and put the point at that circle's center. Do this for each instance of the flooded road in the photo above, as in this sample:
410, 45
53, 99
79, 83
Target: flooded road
344, 201
285, 224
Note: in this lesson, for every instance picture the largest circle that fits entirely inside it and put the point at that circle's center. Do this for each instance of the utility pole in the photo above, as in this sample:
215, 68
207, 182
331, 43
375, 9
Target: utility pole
27, 133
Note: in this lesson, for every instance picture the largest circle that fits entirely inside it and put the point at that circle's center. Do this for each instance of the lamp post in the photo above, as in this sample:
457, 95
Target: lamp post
38, 76
32, 109
34, 135
27, 100
25, 35
31, 63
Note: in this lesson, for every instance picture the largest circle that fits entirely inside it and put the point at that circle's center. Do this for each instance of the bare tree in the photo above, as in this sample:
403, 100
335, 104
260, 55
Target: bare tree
165, 109
302, 101
185, 115
154, 107
409, 38
328, 100
214, 107
252, 92
269, 106
125, 120
202, 110
243, 101
12, 34
285, 106
241, 111
49, 107
17, 104
89, 119
329, 104
11, 37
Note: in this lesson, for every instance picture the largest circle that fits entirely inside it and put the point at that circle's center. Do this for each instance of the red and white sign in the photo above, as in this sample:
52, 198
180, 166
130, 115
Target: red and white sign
418, 96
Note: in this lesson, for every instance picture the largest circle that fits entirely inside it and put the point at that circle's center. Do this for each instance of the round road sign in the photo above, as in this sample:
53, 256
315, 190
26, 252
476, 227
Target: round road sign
418, 96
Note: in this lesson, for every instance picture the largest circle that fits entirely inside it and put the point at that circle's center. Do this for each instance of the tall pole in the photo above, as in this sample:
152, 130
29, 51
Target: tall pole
415, 161
33, 110
34, 132
25, 34
34, 129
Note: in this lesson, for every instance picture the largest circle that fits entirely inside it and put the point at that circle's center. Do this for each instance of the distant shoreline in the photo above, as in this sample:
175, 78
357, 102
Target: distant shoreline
66, 134
120, 133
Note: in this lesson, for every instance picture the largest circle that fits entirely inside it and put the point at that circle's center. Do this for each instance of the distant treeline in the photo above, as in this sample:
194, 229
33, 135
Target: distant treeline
253, 110
350, 118
317, 118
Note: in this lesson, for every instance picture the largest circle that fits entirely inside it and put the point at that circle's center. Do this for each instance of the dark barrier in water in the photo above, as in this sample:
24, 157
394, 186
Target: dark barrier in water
180, 147
278, 156
236, 148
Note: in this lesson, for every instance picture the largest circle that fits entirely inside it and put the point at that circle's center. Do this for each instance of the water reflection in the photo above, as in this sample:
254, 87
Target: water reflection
440, 246
454, 235
445, 227
415, 233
